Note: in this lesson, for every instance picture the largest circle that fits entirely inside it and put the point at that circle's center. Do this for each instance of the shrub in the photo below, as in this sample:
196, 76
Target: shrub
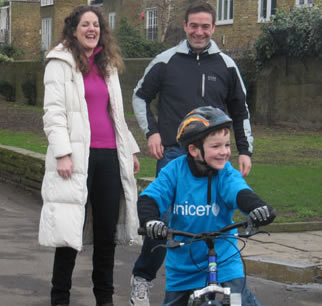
295, 34
29, 89
4, 58
7, 90
133, 44
12, 51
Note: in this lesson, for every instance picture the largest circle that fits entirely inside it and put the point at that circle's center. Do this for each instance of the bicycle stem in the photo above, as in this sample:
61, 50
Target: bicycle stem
212, 262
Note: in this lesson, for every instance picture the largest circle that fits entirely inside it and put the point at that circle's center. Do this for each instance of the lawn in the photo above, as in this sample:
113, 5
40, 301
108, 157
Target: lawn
286, 172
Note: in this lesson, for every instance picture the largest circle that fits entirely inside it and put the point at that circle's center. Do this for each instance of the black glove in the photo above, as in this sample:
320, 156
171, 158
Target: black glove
156, 229
262, 215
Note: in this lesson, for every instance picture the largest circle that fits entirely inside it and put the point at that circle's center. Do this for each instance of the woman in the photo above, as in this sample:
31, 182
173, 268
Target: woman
90, 155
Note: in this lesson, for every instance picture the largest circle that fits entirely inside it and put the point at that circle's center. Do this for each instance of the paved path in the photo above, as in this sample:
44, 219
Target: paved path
25, 267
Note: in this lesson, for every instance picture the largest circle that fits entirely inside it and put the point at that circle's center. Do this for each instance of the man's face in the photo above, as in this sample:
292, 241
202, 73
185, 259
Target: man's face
199, 29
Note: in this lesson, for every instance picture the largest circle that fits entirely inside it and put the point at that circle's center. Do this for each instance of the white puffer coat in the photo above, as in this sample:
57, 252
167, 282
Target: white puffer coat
66, 125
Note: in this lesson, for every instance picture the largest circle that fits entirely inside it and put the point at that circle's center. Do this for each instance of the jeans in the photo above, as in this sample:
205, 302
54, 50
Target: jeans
104, 187
148, 262
181, 298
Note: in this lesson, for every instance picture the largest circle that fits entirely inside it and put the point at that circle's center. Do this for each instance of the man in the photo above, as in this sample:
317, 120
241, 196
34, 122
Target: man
192, 74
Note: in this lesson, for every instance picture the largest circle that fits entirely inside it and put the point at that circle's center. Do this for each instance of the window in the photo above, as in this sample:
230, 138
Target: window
111, 20
46, 28
304, 2
96, 2
266, 8
225, 11
46, 2
152, 24
4, 24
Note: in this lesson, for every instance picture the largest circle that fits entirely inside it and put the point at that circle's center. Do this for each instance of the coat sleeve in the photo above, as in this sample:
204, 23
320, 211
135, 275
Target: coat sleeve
134, 148
144, 93
238, 109
55, 113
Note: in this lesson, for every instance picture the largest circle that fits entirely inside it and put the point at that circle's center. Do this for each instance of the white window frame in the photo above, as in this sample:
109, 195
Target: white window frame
152, 23
262, 18
46, 2
4, 24
111, 20
225, 12
46, 33
304, 3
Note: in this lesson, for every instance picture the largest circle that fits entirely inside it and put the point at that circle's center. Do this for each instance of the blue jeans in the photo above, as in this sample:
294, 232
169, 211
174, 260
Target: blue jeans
181, 298
148, 262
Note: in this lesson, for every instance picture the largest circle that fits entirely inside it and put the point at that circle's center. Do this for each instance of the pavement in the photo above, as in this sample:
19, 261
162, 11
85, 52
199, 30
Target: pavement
293, 258
289, 257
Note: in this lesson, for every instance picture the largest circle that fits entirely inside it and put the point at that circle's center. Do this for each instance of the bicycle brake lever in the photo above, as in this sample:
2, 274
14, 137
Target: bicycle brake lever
172, 244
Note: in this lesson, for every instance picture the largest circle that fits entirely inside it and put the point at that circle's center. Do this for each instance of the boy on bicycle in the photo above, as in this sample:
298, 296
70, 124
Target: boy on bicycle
203, 190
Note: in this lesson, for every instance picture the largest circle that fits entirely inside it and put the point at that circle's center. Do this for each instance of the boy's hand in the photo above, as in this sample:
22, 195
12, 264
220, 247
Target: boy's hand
262, 215
156, 229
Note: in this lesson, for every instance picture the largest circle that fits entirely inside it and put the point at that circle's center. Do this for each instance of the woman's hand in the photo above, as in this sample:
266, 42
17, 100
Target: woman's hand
65, 166
136, 164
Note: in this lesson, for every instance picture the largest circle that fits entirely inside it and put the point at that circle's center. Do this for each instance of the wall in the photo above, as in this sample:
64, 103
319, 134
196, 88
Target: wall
289, 93
22, 167
286, 92
25, 25
16, 72
26, 169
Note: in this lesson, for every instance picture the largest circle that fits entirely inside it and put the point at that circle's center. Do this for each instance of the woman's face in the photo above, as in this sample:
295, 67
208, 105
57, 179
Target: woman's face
88, 32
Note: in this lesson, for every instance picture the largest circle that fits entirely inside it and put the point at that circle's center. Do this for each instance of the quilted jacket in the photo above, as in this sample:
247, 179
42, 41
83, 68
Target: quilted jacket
66, 125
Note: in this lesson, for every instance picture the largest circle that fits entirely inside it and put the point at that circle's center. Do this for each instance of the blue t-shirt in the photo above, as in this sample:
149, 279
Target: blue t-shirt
177, 187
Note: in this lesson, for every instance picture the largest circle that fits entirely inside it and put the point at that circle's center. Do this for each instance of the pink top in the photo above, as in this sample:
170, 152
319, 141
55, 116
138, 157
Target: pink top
96, 95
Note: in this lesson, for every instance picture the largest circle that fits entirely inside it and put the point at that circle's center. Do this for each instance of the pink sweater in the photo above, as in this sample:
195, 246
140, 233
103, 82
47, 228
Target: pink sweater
96, 95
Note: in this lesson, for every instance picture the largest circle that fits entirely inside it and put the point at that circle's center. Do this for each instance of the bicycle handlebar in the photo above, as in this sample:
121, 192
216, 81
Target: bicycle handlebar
247, 224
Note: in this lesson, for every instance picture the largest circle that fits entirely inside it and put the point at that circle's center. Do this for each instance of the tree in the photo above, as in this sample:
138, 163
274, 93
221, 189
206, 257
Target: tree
170, 15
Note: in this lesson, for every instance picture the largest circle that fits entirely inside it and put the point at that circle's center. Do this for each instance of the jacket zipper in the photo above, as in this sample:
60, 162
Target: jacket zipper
203, 85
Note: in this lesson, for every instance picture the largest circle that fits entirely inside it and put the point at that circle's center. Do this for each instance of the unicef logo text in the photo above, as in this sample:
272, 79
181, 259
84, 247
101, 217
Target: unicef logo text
187, 209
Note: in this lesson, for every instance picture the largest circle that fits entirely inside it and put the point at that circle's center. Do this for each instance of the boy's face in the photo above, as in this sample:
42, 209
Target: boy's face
216, 149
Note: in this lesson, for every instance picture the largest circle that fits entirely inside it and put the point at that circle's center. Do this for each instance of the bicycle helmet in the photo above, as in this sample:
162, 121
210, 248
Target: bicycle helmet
199, 123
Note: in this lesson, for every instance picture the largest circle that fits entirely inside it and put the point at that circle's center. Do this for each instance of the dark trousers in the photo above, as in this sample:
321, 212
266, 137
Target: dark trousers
104, 187
148, 262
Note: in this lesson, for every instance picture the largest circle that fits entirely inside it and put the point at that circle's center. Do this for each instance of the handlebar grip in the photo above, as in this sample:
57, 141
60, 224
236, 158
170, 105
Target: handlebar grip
142, 231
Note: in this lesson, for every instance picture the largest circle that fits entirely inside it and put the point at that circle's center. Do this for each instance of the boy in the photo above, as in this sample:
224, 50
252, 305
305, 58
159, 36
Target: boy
203, 190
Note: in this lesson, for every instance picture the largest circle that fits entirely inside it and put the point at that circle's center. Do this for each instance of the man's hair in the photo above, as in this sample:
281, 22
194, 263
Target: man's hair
198, 7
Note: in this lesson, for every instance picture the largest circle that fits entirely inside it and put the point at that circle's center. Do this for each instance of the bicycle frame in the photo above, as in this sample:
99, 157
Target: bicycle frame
207, 295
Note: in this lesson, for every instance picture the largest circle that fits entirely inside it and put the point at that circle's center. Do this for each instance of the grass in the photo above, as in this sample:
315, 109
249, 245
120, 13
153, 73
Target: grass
25, 140
286, 172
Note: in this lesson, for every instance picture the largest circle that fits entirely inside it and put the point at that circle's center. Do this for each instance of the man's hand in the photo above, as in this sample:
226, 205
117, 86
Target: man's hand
245, 163
65, 166
156, 229
262, 215
155, 146
136, 164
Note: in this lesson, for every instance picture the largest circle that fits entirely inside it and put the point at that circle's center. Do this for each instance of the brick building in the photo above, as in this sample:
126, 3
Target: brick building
36, 25
22, 23
238, 22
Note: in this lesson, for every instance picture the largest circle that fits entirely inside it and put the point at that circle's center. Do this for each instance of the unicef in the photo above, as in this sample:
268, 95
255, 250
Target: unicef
187, 209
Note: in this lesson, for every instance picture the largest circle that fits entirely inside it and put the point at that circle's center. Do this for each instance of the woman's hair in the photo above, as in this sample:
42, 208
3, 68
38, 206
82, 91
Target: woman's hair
110, 54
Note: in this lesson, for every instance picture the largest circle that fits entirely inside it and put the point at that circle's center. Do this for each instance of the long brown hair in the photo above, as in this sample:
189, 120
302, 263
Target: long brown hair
110, 54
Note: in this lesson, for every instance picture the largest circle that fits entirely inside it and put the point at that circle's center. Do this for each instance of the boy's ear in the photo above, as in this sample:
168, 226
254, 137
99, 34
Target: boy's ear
193, 150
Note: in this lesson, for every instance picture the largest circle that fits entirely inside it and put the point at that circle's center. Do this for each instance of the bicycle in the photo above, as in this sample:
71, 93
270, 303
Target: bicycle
213, 293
